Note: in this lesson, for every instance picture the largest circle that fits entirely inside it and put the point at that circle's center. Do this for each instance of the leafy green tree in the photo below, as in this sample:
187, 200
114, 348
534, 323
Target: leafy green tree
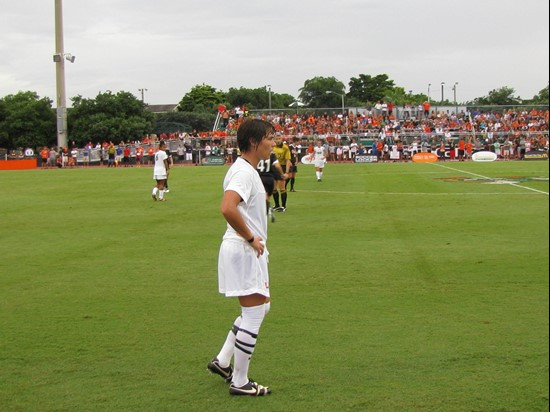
398, 96
251, 98
369, 89
26, 120
314, 92
541, 97
201, 98
281, 100
116, 117
257, 98
501, 96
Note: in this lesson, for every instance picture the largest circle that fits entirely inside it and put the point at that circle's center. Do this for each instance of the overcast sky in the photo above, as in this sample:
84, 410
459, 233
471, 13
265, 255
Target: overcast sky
168, 46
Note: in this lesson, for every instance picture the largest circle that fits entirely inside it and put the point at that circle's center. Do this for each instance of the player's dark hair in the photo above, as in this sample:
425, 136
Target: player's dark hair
251, 132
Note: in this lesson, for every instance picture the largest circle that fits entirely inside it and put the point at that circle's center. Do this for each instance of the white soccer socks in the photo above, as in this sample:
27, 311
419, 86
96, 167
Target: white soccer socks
245, 342
226, 353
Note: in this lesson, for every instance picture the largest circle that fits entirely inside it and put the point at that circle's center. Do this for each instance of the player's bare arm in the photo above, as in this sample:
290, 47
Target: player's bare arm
230, 201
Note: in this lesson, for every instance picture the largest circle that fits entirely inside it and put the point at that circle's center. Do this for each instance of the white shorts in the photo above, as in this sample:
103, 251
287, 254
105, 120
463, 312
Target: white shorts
319, 163
159, 177
240, 271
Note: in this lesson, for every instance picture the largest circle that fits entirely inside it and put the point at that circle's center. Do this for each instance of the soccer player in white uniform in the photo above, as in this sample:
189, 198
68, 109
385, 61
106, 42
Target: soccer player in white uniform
160, 172
319, 159
242, 261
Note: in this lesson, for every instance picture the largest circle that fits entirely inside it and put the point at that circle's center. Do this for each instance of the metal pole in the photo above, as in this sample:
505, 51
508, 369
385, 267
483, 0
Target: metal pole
456, 105
142, 94
442, 84
429, 84
269, 91
454, 92
62, 135
343, 114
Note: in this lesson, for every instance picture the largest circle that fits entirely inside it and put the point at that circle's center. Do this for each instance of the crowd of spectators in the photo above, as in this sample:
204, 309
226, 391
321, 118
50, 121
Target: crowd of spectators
509, 133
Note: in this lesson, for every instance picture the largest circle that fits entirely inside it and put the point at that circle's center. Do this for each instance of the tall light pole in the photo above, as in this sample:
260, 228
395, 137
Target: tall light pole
442, 85
269, 97
58, 58
343, 109
454, 91
429, 84
142, 94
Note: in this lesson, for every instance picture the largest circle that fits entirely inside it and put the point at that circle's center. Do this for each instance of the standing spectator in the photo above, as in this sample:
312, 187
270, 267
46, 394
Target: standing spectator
426, 108
506, 149
461, 149
118, 154
332, 152
390, 109
126, 156
374, 149
64, 157
150, 155
180, 152
469, 148
44, 154
242, 263
353, 149
86, 155
52, 158
188, 152
339, 153
74, 156
496, 148
139, 155
441, 151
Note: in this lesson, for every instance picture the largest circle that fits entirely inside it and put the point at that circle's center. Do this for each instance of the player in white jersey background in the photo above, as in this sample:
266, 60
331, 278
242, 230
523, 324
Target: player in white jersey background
160, 172
319, 159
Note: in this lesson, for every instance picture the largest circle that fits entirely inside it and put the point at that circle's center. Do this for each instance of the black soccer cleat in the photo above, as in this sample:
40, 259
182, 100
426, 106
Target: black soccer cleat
215, 367
250, 389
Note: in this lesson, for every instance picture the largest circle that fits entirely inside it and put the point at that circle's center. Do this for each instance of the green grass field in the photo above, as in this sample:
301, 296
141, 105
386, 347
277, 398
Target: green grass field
395, 287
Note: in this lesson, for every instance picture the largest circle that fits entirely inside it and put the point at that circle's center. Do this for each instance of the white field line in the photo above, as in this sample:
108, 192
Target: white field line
490, 178
418, 193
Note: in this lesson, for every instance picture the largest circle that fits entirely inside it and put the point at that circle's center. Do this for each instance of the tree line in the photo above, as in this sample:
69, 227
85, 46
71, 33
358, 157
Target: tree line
28, 120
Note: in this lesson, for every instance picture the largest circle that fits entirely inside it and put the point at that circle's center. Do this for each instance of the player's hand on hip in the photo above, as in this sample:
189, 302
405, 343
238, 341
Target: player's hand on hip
258, 245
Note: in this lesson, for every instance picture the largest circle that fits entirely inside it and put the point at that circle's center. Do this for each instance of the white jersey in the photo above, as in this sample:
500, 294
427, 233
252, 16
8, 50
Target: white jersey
319, 152
245, 180
160, 167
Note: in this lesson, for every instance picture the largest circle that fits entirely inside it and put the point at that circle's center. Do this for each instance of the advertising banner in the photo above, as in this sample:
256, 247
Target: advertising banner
535, 155
213, 161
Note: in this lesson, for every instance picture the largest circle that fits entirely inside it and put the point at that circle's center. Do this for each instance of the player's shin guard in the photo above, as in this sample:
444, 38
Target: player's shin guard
226, 353
283, 198
292, 180
245, 342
